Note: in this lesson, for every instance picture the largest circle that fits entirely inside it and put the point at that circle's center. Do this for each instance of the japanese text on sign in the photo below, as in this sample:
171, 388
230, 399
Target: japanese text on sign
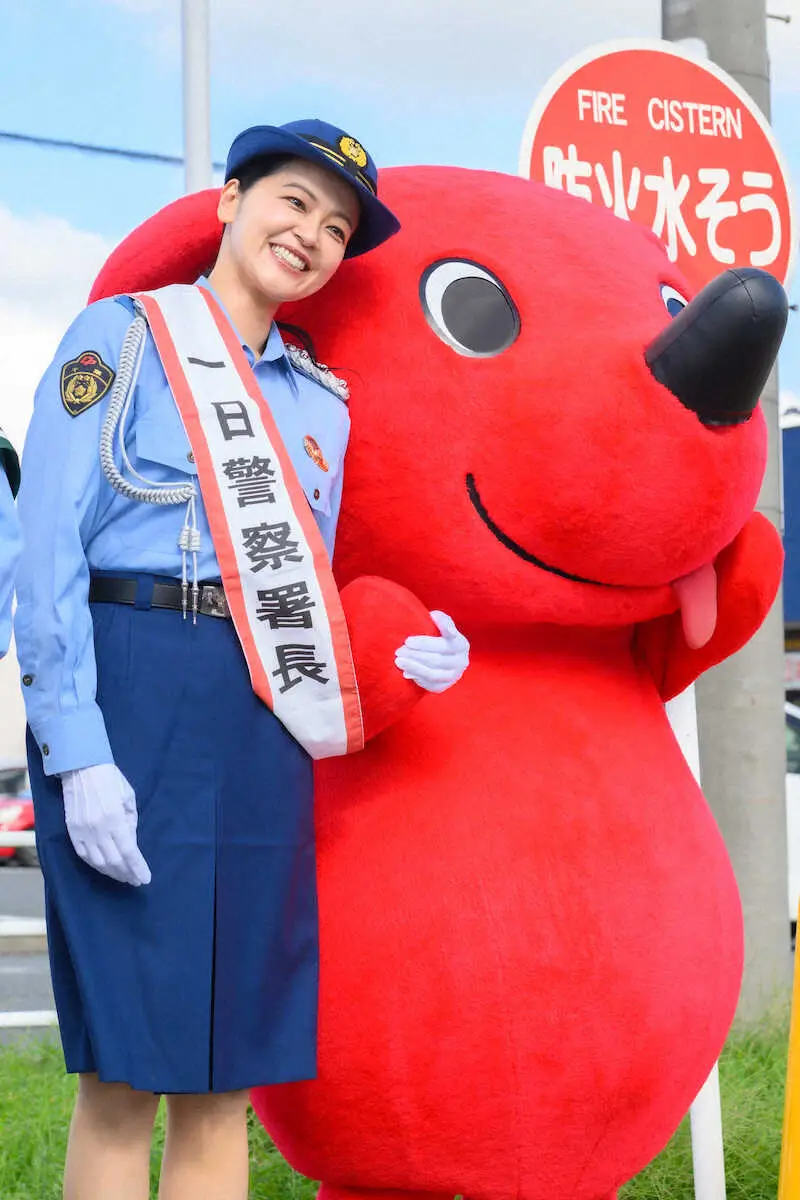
620, 189
672, 143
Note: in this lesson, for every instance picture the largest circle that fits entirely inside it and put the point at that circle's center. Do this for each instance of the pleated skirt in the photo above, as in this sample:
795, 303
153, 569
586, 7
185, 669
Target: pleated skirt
206, 979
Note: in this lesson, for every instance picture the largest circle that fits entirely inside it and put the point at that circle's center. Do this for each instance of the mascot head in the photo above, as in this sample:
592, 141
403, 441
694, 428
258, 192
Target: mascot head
546, 425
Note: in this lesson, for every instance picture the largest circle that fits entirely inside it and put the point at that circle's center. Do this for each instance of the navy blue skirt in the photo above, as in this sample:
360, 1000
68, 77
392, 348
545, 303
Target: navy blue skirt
206, 979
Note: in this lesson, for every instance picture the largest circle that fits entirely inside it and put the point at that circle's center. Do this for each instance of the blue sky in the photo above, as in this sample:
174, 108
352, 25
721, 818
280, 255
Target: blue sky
416, 80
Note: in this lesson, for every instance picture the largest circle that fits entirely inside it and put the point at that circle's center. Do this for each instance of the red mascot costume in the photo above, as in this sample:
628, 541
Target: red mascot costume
530, 930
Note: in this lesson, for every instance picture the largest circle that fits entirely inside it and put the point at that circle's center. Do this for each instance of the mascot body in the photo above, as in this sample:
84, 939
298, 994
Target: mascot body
530, 930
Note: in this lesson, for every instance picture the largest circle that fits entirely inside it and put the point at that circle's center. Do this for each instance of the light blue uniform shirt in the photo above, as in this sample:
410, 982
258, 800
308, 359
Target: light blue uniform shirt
73, 522
9, 543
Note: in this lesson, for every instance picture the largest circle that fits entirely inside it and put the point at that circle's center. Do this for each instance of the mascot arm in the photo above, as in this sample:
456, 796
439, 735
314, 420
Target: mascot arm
380, 616
748, 577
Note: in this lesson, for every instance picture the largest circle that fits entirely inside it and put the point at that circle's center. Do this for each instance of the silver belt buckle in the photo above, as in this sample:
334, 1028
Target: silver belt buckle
213, 601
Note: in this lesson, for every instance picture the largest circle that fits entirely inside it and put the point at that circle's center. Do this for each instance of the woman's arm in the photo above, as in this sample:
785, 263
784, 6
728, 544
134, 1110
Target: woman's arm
62, 494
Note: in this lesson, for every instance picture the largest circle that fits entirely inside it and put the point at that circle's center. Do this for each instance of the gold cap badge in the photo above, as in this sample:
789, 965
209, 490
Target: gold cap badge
353, 150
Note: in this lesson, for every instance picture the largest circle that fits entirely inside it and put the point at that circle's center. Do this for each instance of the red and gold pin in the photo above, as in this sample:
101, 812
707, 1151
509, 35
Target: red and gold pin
314, 453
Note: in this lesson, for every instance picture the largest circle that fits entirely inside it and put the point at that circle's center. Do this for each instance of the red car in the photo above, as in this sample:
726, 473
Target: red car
16, 814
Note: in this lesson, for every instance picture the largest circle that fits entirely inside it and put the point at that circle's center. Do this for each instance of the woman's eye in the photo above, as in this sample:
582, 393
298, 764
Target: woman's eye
469, 308
296, 201
338, 233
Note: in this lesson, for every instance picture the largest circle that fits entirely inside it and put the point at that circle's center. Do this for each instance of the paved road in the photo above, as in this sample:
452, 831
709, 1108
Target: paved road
21, 892
24, 978
24, 987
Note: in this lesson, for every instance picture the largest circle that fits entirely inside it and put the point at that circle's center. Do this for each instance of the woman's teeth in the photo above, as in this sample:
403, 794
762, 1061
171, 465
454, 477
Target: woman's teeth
291, 260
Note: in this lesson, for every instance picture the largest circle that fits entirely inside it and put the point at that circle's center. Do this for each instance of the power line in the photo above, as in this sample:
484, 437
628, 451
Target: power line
88, 148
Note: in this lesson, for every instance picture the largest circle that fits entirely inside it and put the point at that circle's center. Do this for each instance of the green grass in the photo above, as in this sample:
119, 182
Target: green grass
36, 1100
752, 1077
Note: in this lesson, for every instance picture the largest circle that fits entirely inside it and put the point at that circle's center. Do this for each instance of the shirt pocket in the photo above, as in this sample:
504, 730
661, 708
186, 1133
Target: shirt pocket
164, 445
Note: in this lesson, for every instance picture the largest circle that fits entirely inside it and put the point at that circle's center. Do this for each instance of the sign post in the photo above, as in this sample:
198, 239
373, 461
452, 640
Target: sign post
672, 142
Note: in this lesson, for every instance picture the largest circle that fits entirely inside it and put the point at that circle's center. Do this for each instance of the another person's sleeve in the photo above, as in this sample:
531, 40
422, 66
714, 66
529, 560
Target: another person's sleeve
9, 553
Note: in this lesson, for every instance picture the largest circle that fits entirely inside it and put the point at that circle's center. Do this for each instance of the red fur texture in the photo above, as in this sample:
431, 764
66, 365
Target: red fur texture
176, 245
530, 931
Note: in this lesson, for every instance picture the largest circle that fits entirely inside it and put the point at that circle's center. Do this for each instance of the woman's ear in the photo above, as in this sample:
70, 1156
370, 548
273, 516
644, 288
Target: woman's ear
228, 202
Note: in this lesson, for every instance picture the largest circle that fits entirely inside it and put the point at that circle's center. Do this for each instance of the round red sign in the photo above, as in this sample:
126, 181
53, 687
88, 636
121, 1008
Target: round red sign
672, 142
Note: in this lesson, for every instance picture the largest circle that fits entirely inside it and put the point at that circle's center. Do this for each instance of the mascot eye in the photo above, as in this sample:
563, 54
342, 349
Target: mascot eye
468, 308
673, 300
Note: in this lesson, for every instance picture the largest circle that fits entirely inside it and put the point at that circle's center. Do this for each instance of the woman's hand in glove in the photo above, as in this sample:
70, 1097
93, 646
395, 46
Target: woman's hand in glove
101, 817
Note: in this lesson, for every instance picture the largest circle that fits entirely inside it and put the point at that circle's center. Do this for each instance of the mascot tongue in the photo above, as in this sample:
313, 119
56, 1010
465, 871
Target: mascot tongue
697, 596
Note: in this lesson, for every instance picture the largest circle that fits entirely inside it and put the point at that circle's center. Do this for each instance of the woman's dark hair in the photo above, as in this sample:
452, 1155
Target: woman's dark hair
259, 168
298, 335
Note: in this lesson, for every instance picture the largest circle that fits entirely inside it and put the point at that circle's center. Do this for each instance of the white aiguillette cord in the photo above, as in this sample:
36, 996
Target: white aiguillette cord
130, 362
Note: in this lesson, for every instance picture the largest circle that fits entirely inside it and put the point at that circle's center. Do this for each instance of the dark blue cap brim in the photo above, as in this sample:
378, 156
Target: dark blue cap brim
376, 224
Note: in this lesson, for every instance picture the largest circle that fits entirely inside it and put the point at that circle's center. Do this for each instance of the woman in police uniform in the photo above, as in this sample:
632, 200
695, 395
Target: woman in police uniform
173, 810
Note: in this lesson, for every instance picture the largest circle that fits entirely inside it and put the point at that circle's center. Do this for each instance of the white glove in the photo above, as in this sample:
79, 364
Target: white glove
101, 816
435, 663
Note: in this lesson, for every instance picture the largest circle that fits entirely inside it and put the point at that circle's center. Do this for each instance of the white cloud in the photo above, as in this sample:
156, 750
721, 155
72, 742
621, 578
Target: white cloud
418, 53
441, 48
46, 270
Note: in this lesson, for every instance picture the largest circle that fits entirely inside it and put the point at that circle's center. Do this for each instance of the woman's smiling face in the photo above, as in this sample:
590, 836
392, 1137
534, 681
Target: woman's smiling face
287, 233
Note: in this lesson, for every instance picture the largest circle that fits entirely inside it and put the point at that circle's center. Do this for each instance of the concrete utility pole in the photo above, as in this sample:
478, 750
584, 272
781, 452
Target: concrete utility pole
196, 96
740, 702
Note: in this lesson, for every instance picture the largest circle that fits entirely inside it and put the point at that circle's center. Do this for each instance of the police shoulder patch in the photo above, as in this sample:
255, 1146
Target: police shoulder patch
84, 381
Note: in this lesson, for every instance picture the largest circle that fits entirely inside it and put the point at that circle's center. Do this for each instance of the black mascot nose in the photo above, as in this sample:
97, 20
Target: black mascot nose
716, 355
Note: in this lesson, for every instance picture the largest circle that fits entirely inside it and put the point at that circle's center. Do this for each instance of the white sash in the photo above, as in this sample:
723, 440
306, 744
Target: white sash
275, 570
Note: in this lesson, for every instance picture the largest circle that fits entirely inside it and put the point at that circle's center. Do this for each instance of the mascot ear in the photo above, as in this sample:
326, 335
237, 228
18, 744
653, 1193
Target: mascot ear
175, 245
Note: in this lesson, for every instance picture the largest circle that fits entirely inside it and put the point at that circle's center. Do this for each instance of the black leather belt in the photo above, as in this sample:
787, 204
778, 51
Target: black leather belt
103, 589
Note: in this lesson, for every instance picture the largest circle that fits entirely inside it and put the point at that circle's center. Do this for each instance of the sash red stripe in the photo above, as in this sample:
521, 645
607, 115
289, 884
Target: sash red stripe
348, 686
213, 503
212, 499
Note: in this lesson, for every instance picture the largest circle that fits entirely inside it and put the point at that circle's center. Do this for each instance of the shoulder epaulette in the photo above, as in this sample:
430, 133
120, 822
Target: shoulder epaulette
303, 363
126, 302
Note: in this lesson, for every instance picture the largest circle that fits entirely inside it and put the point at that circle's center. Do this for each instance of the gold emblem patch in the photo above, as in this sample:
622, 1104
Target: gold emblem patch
84, 381
313, 451
353, 150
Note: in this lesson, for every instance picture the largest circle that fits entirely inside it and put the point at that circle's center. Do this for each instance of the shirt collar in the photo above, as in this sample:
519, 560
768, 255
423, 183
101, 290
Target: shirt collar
274, 349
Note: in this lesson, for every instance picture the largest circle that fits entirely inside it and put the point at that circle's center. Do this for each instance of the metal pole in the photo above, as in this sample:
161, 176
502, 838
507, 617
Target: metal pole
740, 702
708, 1156
705, 1117
196, 96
